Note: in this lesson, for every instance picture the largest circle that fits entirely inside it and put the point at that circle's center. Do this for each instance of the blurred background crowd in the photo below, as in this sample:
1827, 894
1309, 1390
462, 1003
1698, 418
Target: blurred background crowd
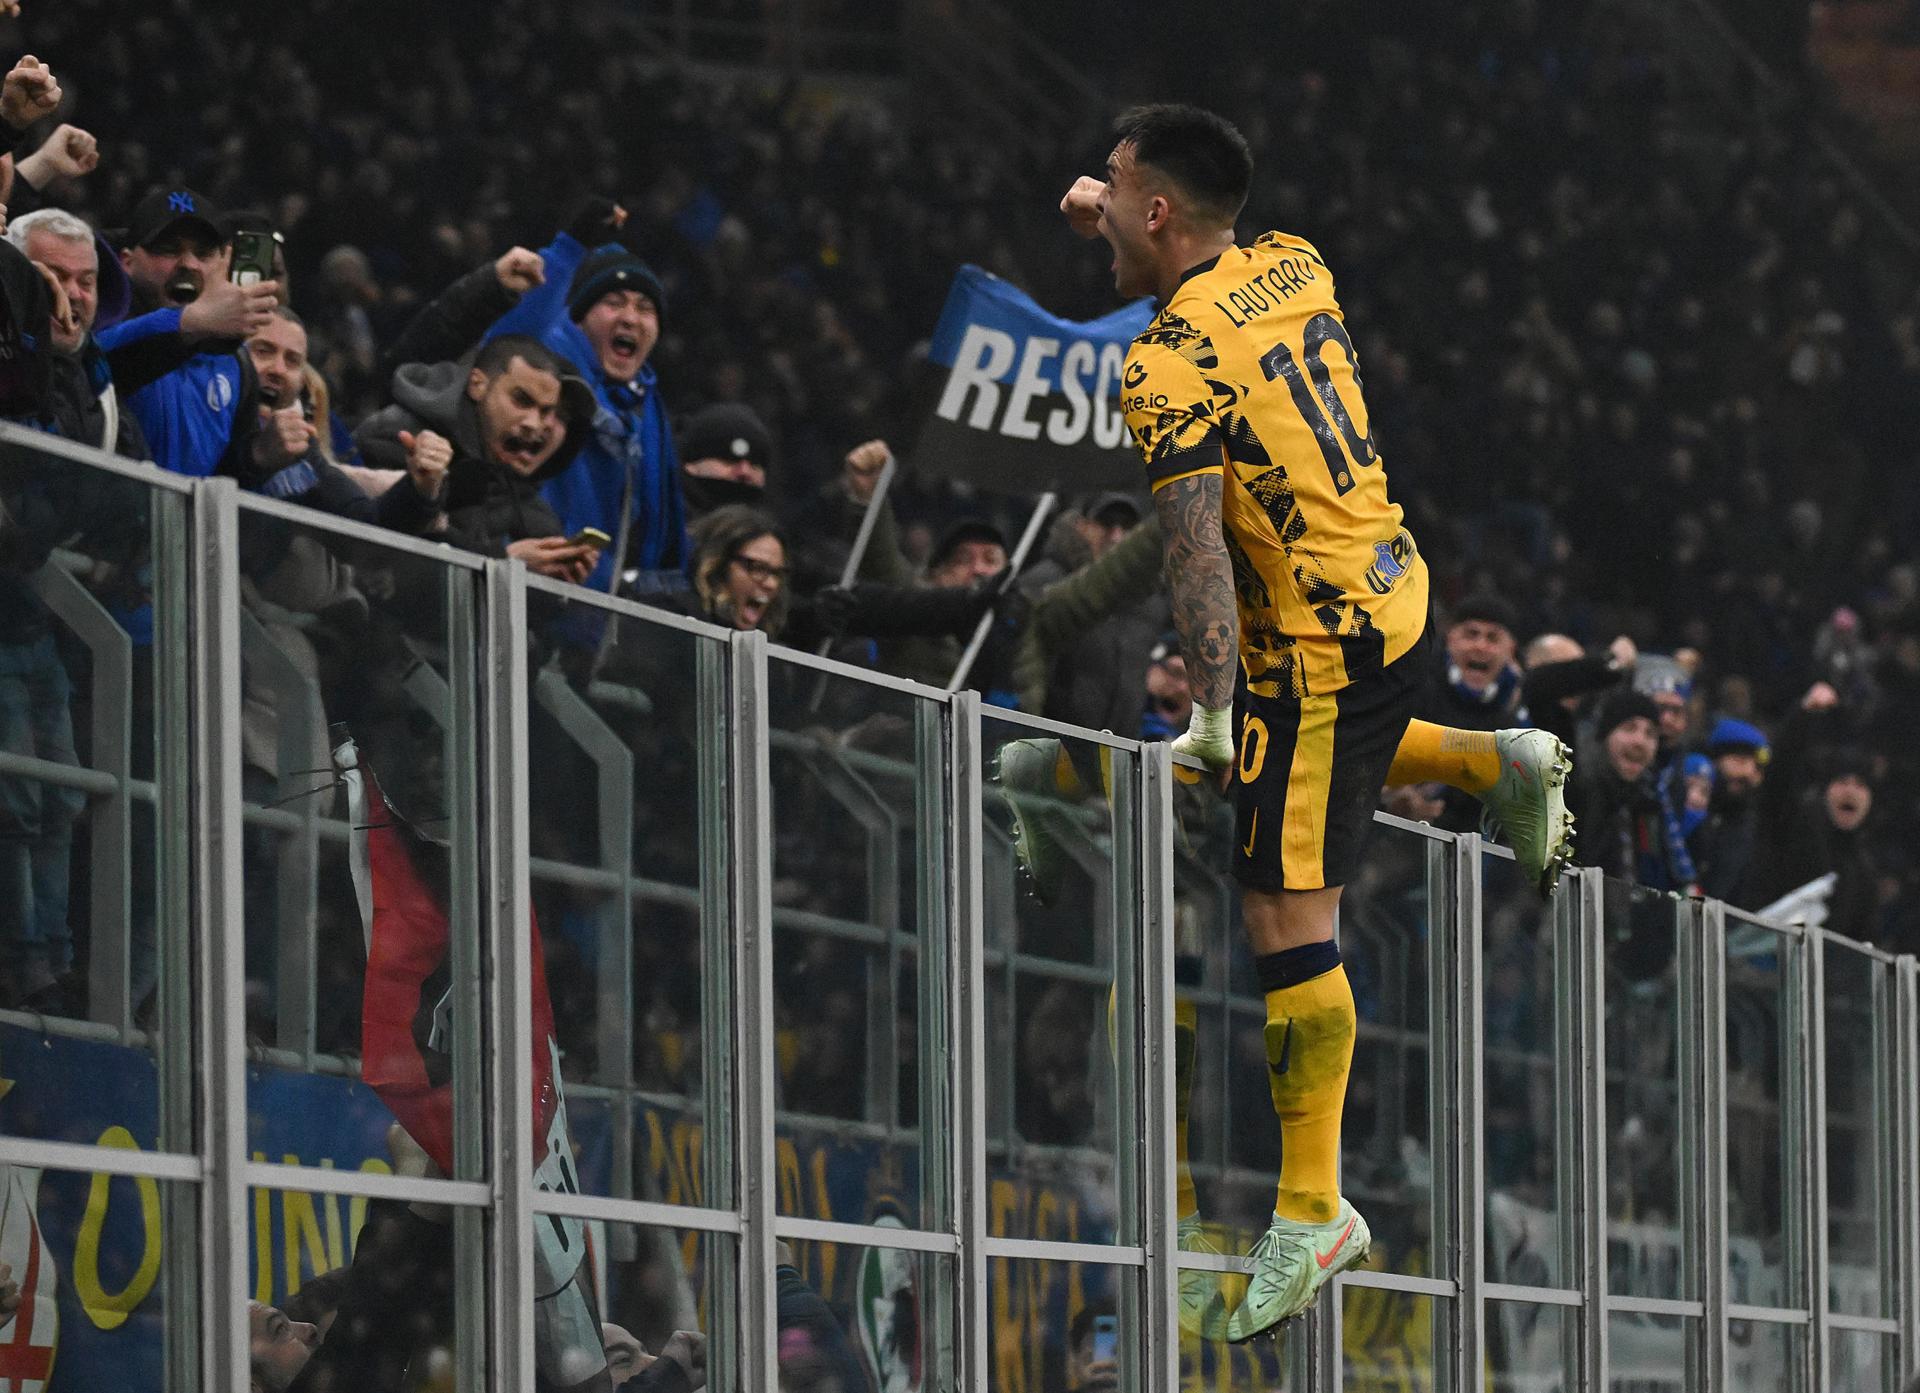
1642, 365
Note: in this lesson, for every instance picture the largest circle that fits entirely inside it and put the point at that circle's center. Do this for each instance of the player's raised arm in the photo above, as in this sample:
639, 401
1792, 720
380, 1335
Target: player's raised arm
1201, 578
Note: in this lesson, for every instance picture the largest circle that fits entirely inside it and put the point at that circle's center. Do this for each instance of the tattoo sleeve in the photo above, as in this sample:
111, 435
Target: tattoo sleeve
1201, 579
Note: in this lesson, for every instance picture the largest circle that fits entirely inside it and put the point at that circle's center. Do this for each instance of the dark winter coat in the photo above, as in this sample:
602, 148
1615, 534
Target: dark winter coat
1082, 655
488, 504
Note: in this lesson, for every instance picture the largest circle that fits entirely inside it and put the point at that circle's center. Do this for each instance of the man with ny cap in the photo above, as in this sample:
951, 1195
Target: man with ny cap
198, 404
601, 310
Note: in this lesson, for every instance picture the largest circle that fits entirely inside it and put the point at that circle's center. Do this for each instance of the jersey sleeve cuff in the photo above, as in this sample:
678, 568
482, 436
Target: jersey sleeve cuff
1204, 458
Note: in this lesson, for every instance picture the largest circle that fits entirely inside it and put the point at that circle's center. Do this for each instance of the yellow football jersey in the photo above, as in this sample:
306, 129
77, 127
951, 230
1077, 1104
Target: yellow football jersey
1248, 372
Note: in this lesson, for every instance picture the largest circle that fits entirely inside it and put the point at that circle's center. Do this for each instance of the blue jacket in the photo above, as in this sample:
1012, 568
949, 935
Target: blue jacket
631, 452
189, 415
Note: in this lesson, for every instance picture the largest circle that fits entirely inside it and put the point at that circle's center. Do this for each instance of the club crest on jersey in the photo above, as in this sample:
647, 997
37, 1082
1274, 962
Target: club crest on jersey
219, 393
1391, 561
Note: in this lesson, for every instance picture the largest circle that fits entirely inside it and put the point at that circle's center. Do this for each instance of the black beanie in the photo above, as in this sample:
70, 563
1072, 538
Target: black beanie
1484, 608
729, 431
608, 269
1843, 760
1621, 705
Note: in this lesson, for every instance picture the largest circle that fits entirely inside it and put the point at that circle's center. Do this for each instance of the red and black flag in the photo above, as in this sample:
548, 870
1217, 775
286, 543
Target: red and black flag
401, 877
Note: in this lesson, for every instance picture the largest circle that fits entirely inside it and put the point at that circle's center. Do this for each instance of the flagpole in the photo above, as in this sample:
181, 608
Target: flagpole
1041, 512
851, 571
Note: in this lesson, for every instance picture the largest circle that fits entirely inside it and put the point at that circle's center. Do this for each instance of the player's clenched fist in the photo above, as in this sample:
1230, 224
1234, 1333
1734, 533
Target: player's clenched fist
428, 455
1082, 205
1208, 738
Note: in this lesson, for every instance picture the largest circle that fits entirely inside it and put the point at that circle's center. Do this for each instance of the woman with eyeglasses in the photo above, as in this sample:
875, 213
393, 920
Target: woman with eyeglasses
740, 569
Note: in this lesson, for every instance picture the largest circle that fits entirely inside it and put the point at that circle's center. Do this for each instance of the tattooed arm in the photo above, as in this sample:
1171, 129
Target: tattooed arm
1201, 578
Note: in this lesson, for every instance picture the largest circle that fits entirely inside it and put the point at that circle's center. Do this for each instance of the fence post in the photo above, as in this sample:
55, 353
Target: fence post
1466, 1057
220, 976
751, 876
509, 980
968, 1077
1579, 914
1703, 1120
1155, 1057
1906, 1180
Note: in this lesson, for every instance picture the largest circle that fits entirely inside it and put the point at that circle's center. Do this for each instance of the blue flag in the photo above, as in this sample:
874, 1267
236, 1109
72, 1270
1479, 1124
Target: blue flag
1023, 400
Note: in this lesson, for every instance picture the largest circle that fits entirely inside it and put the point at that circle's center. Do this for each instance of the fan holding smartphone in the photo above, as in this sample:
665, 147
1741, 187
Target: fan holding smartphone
1093, 1350
252, 260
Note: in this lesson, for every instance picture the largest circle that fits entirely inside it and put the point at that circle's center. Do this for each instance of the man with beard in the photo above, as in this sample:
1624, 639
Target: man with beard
1628, 828
1723, 844
296, 465
515, 417
200, 410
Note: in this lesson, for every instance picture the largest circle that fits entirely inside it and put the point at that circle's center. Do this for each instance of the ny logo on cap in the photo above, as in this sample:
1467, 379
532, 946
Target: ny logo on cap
180, 203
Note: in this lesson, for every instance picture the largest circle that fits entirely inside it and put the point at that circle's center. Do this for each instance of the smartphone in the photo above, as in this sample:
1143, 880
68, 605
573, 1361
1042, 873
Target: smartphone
1106, 1339
591, 537
252, 258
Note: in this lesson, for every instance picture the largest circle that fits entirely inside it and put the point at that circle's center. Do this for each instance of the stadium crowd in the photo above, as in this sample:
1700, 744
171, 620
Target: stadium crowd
1630, 399
1637, 369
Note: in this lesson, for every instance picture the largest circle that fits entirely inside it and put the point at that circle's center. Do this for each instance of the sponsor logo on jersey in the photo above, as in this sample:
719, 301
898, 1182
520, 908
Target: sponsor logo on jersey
1391, 561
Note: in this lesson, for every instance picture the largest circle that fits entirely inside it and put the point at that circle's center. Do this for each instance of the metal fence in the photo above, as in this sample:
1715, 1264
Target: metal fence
806, 1012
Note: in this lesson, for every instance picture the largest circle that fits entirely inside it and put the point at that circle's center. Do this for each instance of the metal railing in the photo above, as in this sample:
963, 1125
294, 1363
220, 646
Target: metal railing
1545, 1119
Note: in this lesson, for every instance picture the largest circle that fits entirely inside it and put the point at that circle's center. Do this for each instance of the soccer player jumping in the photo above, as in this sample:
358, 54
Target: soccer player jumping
1284, 550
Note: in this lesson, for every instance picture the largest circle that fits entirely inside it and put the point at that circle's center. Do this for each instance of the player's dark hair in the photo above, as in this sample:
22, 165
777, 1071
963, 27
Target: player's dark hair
498, 355
1203, 153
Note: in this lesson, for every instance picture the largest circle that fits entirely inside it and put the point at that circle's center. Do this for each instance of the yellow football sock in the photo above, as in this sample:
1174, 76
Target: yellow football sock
1066, 776
1066, 779
1310, 1030
1464, 759
1186, 1039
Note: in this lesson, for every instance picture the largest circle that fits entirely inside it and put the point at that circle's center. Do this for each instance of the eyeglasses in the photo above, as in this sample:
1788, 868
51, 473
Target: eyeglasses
761, 571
